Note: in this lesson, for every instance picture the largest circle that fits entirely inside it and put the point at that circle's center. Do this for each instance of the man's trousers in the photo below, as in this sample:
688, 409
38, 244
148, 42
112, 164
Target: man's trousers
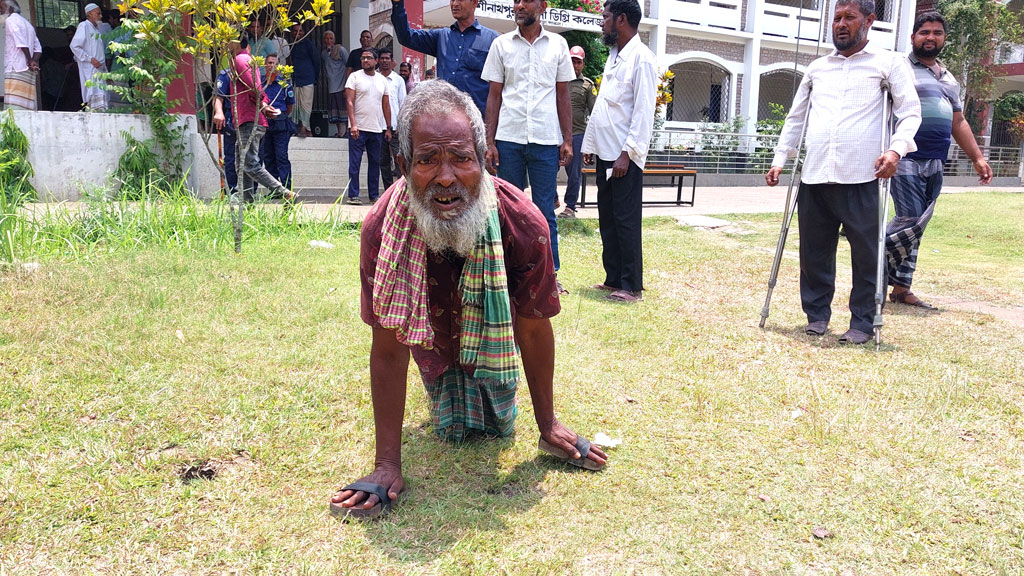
253, 171
274, 152
619, 216
822, 209
541, 160
389, 171
574, 173
371, 142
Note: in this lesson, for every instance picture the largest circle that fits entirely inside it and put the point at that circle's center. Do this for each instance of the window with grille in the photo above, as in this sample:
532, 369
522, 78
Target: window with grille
56, 14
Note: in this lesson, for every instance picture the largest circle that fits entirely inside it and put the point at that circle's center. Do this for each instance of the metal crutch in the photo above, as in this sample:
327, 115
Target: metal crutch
881, 273
787, 217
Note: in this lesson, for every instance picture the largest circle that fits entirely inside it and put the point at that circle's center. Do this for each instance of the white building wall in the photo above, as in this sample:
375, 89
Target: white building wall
777, 30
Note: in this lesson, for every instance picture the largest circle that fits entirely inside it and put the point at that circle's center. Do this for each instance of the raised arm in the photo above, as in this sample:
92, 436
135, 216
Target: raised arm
425, 41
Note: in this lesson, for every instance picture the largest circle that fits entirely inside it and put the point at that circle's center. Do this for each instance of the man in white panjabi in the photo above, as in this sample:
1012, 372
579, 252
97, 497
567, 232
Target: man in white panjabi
87, 46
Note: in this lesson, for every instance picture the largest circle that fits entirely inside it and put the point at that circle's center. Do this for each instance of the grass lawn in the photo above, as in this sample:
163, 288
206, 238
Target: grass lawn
123, 370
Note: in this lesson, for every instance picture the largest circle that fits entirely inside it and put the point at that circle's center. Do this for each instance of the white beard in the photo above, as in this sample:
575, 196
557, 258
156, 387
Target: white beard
460, 232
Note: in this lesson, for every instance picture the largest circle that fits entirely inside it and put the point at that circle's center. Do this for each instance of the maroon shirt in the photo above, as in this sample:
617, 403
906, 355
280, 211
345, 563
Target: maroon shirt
532, 288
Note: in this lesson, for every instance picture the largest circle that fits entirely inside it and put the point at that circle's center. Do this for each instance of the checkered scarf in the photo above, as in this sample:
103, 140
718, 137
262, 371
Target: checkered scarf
400, 295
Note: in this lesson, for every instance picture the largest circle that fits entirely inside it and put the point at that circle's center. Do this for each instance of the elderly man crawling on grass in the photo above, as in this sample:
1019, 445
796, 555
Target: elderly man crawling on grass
455, 266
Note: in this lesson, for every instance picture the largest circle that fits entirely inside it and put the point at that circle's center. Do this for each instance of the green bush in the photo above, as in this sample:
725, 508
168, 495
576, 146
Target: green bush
138, 169
15, 169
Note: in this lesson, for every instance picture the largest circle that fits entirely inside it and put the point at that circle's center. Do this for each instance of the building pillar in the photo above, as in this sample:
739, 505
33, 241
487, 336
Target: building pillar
908, 12
357, 19
752, 67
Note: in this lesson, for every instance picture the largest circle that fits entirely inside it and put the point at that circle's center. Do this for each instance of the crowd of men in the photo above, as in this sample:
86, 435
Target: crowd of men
28, 67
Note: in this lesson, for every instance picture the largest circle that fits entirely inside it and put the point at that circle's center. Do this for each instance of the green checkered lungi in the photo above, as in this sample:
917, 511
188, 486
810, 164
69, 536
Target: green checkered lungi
462, 406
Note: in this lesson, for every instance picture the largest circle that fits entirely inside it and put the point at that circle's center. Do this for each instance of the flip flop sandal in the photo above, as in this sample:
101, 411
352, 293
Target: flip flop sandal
582, 444
623, 296
604, 287
379, 509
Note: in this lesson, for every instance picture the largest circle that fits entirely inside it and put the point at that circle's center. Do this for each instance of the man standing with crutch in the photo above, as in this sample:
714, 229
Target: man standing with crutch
839, 181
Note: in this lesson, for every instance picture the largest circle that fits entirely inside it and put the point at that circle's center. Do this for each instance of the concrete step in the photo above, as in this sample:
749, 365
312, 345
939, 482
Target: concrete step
297, 143
300, 180
307, 155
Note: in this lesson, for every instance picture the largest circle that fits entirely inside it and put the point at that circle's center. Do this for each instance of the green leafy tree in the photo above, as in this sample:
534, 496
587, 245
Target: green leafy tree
597, 52
975, 31
168, 32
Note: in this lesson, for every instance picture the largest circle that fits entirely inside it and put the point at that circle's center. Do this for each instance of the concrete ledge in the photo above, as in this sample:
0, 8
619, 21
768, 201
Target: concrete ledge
74, 152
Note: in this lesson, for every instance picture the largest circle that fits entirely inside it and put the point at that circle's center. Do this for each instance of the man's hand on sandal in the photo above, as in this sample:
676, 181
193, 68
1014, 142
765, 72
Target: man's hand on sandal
559, 436
386, 475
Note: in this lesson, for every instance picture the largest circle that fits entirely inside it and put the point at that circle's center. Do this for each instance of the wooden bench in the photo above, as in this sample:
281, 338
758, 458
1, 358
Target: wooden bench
676, 171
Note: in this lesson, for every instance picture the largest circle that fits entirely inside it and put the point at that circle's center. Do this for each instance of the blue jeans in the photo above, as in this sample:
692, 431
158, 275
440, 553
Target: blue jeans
369, 141
542, 162
911, 196
575, 173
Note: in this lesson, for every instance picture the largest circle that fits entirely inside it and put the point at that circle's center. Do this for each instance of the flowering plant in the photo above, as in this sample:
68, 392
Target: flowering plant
588, 6
664, 89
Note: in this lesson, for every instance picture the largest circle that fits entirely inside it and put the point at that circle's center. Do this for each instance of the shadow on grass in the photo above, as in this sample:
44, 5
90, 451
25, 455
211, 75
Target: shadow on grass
457, 494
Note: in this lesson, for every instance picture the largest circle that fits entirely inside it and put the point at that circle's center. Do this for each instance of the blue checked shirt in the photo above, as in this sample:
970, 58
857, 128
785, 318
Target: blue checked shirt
460, 53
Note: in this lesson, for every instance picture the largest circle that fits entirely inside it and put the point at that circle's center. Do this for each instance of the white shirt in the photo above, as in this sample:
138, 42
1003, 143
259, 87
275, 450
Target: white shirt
529, 73
623, 116
370, 91
284, 50
20, 34
87, 44
396, 95
845, 125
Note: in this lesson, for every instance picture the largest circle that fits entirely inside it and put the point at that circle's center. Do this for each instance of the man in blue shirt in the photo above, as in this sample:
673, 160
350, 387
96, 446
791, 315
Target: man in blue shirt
461, 49
222, 121
274, 147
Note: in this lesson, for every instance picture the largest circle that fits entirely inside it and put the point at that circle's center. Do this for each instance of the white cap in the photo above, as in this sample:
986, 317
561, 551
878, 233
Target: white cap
90, 7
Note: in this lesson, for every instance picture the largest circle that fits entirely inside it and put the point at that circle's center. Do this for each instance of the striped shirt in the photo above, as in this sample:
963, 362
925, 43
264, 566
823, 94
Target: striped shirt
844, 126
940, 98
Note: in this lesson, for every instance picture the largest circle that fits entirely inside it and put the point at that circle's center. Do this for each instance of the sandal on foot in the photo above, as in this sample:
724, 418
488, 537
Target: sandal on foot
854, 336
582, 444
817, 328
901, 298
604, 287
379, 509
624, 296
